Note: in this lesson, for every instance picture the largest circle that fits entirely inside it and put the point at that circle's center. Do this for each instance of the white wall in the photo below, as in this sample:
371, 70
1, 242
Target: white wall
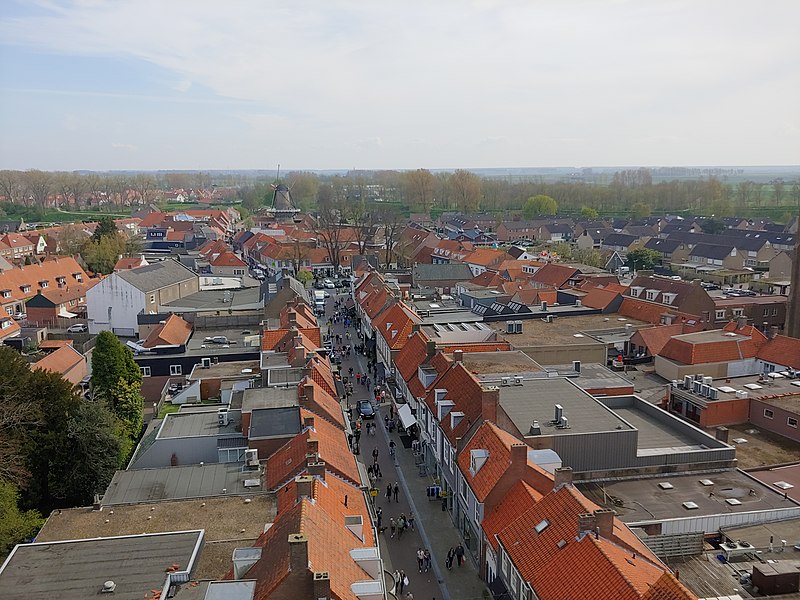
113, 304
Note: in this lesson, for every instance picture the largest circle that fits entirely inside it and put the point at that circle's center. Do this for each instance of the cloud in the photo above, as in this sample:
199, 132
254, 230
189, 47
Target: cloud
128, 147
340, 79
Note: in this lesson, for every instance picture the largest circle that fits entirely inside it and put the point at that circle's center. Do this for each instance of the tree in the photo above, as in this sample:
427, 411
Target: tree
12, 186
39, 186
328, 227
363, 222
419, 186
587, 212
18, 412
713, 226
539, 205
71, 239
466, 189
304, 276
102, 255
117, 381
778, 190
105, 228
16, 526
145, 187
88, 455
643, 259
640, 210
392, 222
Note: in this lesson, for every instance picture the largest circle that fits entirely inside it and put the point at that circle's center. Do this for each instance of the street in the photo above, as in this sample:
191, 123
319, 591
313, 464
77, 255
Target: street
434, 529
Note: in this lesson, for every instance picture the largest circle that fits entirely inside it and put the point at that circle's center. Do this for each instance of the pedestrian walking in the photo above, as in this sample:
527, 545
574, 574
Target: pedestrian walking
396, 491
427, 560
403, 580
392, 527
386, 421
392, 446
420, 559
401, 526
451, 554
396, 576
460, 554
389, 492
379, 516
378, 467
411, 520
374, 451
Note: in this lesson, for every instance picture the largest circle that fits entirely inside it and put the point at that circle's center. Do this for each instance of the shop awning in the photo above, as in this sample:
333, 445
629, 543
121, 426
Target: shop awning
406, 418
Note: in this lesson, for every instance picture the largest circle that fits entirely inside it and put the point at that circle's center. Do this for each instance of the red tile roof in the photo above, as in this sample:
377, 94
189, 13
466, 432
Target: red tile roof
227, 259
650, 312
487, 279
519, 499
320, 372
395, 325
130, 262
486, 257
173, 332
781, 350
599, 297
62, 361
498, 444
290, 460
465, 391
31, 275
280, 340
714, 346
411, 356
321, 402
554, 274
655, 338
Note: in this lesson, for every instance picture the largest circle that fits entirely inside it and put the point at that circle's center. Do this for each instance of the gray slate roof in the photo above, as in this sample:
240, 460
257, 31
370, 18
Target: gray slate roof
156, 276
433, 273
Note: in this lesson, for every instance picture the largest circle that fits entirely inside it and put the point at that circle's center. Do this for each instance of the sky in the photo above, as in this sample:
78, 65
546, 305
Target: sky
357, 84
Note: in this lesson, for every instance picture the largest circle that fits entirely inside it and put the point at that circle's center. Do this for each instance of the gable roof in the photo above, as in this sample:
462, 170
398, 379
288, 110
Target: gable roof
464, 390
316, 399
438, 272
156, 276
172, 332
517, 500
227, 259
598, 297
395, 324
31, 276
554, 274
497, 443
781, 350
655, 338
717, 345
61, 361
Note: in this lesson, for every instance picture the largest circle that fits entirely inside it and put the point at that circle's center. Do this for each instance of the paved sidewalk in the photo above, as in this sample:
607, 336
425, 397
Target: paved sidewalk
434, 528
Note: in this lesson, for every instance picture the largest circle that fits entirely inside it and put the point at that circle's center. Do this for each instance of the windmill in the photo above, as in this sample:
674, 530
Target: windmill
283, 207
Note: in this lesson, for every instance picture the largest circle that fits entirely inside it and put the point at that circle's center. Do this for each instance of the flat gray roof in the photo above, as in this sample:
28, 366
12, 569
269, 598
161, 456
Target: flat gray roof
457, 331
592, 375
269, 398
578, 329
233, 369
193, 424
653, 433
179, 483
535, 400
241, 299
642, 500
78, 568
272, 422
490, 366
285, 377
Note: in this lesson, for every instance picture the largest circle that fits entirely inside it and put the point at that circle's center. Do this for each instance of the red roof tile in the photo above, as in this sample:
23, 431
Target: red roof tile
599, 298
395, 325
554, 274
173, 332
781, 350
519, 499
227, 259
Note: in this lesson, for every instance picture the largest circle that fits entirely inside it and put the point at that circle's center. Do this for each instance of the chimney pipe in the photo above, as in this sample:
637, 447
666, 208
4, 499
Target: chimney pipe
305, 486
430, 348
490, 398
308, 422
519, 459
298, 552
604, 521
316, 469
322, 586
563, 476
721, 433
458, 355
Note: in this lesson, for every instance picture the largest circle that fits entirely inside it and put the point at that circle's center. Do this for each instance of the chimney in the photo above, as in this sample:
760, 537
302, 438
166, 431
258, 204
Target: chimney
773, 331
458, 356
490, 398
721, 433
298, 552
316, 469
519, 460
322, 586
741, 322
430, 349
604, 521
308, 422
563, 476
312, 446
305, 486
586, 522
308, 391
292, 314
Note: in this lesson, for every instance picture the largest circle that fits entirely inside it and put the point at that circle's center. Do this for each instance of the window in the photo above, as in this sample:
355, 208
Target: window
738, 312
775, 312
238, 271
651, 294
463, 488
636, 291
6, 293
768, 413
669, 297
44, 284
152, 298
504, 561
766, 312
720, 314
477, 512
791, 422
145, 371
175, 370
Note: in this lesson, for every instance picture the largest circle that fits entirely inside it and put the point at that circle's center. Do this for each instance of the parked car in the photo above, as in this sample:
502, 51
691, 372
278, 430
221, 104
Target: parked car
365, 409
218, 339
328, 284
327, 294
20, 316
78, 328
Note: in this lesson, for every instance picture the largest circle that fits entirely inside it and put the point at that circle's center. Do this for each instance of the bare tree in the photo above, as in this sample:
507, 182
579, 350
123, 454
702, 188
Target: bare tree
392, 223
466, 188
420, 187
328, 227
778, 189
363, 223
145, 187
39, 186
300, 253
12, 186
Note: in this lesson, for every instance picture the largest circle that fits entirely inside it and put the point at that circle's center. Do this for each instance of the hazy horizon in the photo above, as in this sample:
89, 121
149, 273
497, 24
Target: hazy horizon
344, 85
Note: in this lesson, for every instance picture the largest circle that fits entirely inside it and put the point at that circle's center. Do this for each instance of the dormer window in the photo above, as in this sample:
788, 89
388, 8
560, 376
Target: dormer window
25, 288
6, 323
651, 294
44, 284
636, 291
6, 293
477, 458
61, 281
669, 297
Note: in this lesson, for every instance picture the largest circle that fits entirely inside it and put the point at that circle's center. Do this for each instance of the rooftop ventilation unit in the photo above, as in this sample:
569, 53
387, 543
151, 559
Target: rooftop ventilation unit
578, 304
544, 306
559, 412
205, 363
222, 417
698, 377
518, 380
576, 366
251, 457
535, 429
696, 387
704, 390
687, 382
563, 423
505, 381
108, 587
708, 380
713, 393
550, 318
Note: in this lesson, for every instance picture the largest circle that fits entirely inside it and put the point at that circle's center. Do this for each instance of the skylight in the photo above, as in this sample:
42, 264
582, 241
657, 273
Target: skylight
541, 526
783, 485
